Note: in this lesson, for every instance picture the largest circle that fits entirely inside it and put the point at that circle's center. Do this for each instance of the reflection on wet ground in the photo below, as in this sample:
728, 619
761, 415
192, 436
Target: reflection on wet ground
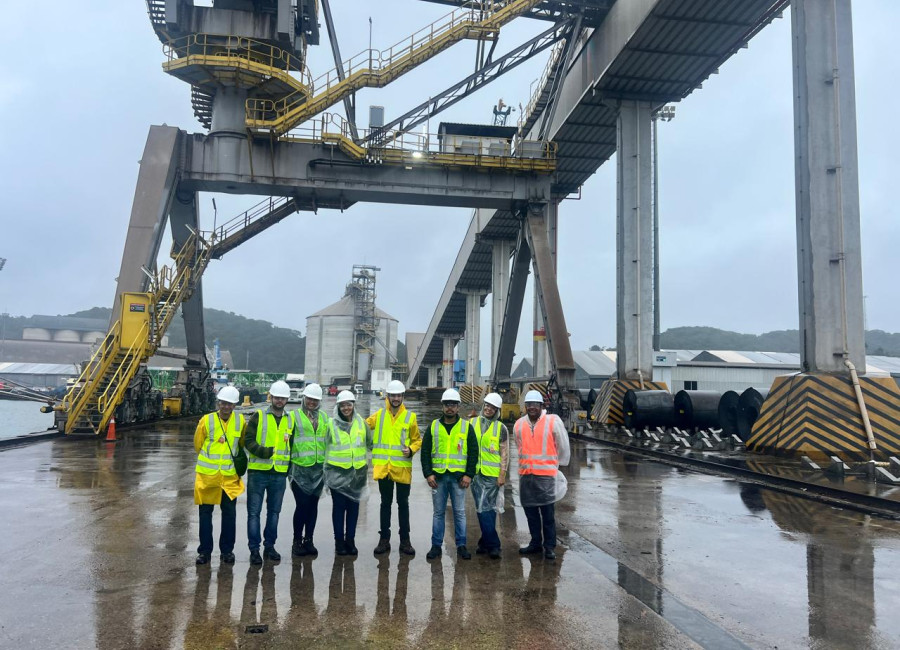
101, 539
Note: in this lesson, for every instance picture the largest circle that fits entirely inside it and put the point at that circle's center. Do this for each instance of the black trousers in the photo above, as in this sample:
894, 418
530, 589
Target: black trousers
542, 523
386, 488
305, 514
226, 536
344, 515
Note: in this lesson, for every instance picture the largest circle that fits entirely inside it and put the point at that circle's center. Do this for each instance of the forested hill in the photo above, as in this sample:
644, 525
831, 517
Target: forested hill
270, 348
878, 342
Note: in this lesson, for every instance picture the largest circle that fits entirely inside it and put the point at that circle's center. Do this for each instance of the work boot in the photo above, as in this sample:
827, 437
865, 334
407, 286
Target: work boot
202, 558
530, 549
340, 547
549, 554
494, 554
350, 546
384, 546
227, 558
463, 552
310, 549
255, 557
433, 553
480, 550
406, 548
297, 548
270, 553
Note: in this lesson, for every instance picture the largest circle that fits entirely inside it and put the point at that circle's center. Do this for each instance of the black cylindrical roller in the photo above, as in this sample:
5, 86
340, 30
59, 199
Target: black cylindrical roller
728, 410
697, 408
584, 396
749, 406
648, 408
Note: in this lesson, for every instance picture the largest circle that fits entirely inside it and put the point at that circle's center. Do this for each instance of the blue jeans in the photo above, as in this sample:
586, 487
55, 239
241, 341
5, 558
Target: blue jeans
489, 537
448, 486
272, 486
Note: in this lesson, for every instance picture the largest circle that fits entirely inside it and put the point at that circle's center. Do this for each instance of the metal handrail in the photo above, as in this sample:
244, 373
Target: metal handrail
535, 97
384, 65
243, 48
80, 392
333, 124
106, 402
244, 219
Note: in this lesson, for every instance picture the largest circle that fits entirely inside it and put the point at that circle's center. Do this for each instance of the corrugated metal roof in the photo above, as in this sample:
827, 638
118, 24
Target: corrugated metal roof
594, 363
39, 369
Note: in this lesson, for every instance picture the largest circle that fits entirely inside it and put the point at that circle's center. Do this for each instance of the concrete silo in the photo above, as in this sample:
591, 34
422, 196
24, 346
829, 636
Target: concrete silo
333, 335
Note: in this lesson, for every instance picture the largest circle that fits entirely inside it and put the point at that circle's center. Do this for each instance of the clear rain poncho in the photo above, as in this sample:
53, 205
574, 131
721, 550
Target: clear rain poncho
485, 490
351, 483
544, 490
310, 479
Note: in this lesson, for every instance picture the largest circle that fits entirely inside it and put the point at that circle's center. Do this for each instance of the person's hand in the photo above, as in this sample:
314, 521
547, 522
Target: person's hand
267, 452
464, 482
406, 451
501, 481
432, 482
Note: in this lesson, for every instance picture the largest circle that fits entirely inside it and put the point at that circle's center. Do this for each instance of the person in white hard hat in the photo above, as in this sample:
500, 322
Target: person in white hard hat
543, 446
311, 429
449, 462
396, 439
267, 438
346, 470
217, 440
493, 463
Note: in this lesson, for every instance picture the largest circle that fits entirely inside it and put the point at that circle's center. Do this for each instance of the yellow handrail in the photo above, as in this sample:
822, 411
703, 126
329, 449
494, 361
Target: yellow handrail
110, 398
376, 68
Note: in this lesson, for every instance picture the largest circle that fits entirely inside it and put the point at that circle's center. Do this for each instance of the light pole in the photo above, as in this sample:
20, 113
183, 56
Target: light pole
666, 114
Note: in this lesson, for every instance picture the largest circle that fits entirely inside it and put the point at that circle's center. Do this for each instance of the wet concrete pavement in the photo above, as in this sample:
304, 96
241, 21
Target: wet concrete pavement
100, 543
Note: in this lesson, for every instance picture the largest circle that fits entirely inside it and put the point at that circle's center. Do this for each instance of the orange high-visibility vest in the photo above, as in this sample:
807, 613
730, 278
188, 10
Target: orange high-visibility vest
537, 446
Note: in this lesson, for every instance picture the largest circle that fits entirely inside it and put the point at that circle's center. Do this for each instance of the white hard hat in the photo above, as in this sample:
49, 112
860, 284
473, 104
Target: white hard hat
395, 387
451, 395
346, 396
280, 389
229, 394
313, 391
494, 400
533, 396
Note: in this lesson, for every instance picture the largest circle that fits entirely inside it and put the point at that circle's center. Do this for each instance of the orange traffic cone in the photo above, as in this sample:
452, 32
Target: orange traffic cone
111, 430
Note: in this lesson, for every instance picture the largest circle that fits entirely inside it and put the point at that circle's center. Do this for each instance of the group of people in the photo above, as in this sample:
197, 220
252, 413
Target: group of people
311, 450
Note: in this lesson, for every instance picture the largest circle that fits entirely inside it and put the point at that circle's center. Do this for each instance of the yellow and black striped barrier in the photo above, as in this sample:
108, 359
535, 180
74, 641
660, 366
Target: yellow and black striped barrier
818, 415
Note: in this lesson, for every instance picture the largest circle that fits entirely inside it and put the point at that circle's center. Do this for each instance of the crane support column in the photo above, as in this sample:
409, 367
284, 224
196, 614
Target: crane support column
473, 337
819, 412
540, 353
432, 375
501, 365
634, 243
536, 230
634, 262
183, 217
449, 345
500, 252
149, 210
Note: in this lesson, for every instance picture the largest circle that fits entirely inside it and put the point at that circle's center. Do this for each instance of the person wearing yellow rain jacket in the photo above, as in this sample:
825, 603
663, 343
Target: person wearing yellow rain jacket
217, 440
396, 439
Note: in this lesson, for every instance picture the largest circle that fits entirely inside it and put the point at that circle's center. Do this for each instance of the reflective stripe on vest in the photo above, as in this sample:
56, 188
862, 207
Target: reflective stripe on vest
270, 434
449, 451
537, 446
390, 439
309, 446
215, 456
348, 448
488, 447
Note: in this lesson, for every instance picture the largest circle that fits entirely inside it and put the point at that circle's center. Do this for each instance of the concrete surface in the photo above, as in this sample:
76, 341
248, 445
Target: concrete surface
100, 544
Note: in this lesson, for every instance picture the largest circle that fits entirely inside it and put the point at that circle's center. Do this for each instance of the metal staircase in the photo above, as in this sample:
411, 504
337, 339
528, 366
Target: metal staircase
156, 9
99, 389
375, 69
201, 102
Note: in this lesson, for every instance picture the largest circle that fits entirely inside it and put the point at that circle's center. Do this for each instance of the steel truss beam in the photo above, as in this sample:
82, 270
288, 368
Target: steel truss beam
501, 367
478, 79
350, 100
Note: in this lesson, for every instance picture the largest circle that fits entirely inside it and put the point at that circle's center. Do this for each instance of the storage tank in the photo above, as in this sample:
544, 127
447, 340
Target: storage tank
330, 343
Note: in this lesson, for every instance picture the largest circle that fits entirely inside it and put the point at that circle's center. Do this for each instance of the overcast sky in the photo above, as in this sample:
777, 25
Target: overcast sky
82, 82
